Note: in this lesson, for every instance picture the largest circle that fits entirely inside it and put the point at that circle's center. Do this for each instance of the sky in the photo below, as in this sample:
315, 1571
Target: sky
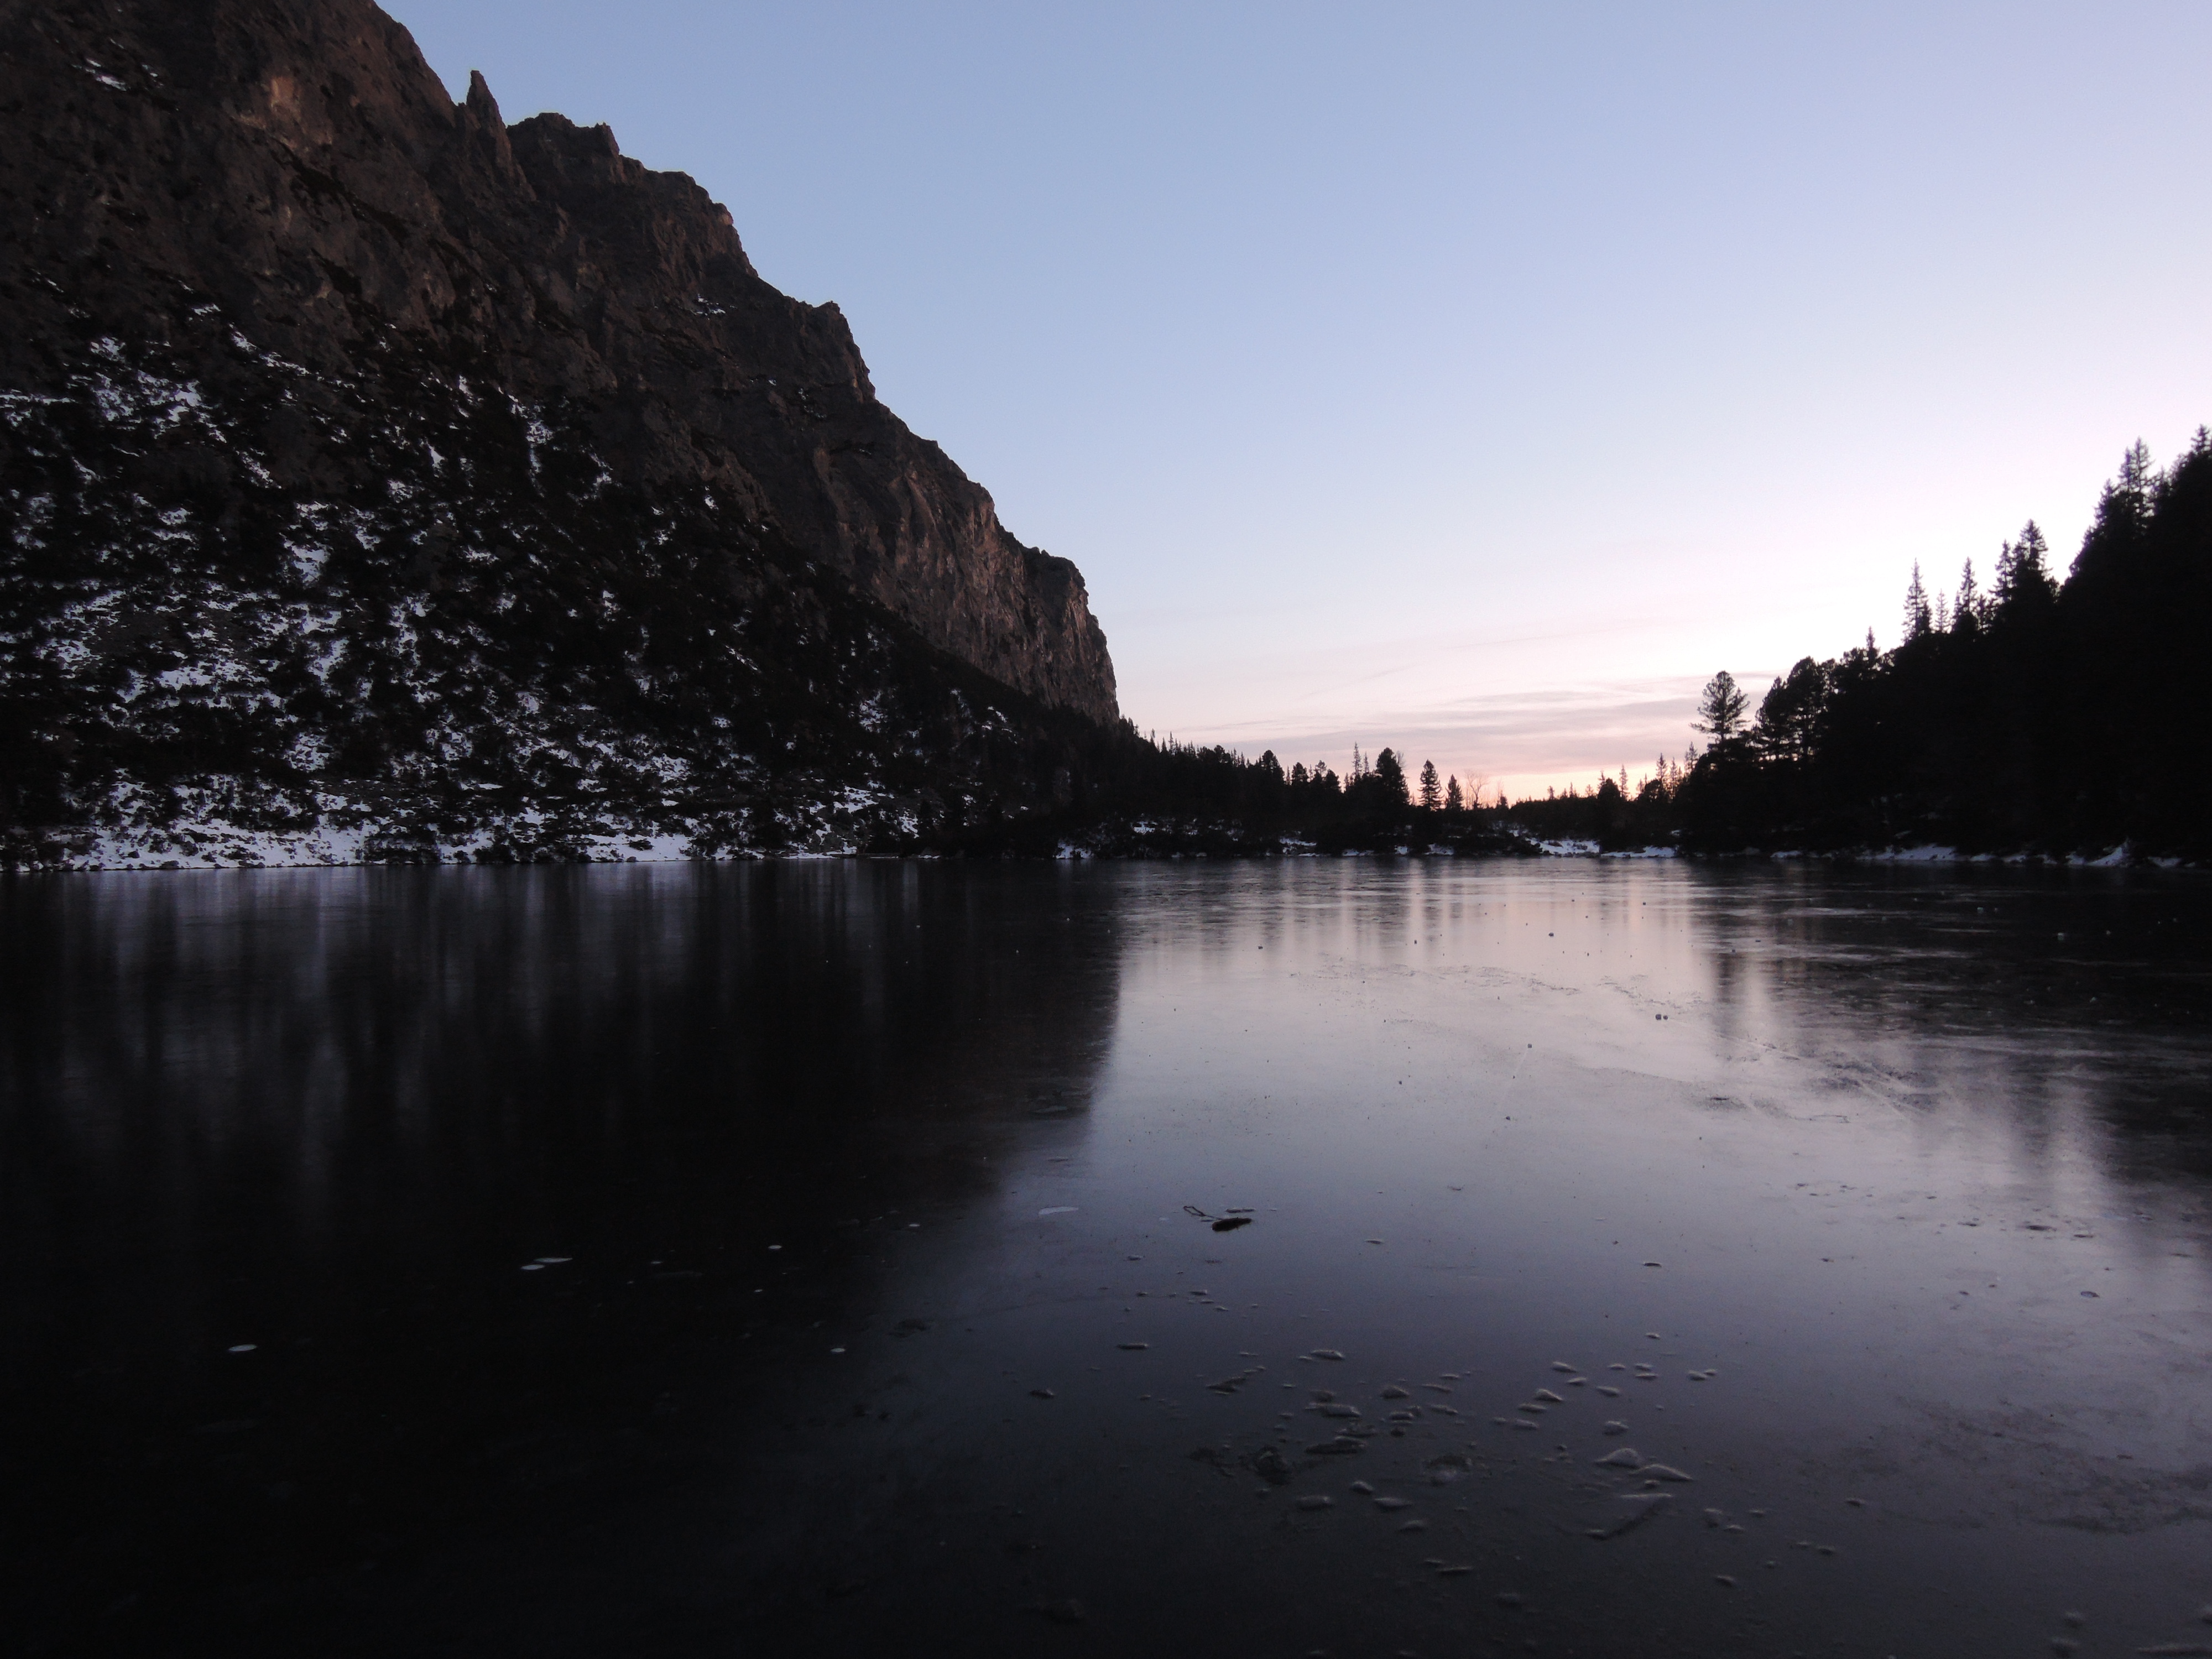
1471, 379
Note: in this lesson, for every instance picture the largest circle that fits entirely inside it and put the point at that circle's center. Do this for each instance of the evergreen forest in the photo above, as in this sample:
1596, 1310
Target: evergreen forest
2031, 714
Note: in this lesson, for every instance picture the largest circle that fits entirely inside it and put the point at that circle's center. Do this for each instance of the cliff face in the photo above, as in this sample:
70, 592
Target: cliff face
284, 318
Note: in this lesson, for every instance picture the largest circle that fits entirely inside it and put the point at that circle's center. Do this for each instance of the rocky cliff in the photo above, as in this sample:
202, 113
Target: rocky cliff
375, 468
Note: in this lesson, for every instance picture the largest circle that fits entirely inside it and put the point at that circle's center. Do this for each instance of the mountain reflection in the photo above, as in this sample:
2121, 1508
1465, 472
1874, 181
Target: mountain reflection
332, 1114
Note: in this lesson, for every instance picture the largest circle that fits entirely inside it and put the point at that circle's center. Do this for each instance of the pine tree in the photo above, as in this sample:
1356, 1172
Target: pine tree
1454, 802
1432, 795
1389, 774
1721, 709
1969, 613
1919, 616
2024, 573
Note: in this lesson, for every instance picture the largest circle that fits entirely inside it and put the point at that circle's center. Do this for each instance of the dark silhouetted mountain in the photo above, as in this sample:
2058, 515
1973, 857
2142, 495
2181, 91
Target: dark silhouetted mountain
382, 476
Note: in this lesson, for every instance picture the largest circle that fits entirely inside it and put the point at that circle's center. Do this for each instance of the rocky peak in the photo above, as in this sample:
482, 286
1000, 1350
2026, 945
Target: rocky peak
298, 162
379, 470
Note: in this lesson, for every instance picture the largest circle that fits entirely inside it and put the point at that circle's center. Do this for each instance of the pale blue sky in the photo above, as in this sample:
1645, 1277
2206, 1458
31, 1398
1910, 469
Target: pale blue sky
1473, 378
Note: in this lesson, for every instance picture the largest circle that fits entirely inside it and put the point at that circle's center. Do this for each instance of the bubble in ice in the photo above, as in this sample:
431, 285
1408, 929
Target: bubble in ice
1546, 1395
243, 1347
1325, 1353
1664, 1471
1413, 1526
1057, 1209
1627, 1458
1316, 1500
1392, 1504
1394, 1392
1614, 1425
1043, 1393
1562, 1368
1362, 1487
1133, 1348
1608, 1391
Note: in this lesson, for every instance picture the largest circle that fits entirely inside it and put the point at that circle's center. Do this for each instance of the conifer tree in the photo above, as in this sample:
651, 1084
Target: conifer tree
1432, 792
1968, 613
1389, 774
1454, 802
1919, 616
2024, 573
1721, 709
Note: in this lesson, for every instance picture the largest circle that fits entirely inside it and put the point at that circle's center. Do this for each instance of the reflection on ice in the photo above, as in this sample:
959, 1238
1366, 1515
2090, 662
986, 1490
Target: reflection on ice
908, 1248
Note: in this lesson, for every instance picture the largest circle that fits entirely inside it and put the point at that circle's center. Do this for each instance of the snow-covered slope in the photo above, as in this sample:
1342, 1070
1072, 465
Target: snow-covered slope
381, 481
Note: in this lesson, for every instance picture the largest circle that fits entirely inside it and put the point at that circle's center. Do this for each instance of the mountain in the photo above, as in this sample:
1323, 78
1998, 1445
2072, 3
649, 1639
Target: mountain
385, 480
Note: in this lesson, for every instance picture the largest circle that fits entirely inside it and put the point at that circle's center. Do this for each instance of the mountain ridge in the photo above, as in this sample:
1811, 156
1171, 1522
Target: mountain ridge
267, 274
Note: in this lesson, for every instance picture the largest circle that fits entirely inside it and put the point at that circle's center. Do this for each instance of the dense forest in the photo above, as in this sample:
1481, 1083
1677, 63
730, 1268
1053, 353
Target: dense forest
2032, 715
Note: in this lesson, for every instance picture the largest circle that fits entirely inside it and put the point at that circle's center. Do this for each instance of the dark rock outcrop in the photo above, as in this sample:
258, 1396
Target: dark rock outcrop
359, 448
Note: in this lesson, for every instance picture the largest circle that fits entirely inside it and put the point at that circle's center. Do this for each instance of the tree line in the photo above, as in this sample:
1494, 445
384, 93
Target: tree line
2032, 713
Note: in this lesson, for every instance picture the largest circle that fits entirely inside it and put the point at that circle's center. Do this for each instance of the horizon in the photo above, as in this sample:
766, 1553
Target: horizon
1636, 348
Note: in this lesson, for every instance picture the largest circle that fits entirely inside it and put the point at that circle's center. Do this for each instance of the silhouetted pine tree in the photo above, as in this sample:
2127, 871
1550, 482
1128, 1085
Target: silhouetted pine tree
1389, 774
1721, 709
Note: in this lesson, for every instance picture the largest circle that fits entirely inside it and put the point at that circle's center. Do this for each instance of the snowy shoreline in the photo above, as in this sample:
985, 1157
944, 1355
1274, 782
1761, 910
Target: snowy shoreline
156, 852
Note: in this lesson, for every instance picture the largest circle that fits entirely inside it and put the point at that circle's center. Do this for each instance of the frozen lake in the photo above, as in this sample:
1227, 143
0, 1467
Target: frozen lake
1639, 1259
